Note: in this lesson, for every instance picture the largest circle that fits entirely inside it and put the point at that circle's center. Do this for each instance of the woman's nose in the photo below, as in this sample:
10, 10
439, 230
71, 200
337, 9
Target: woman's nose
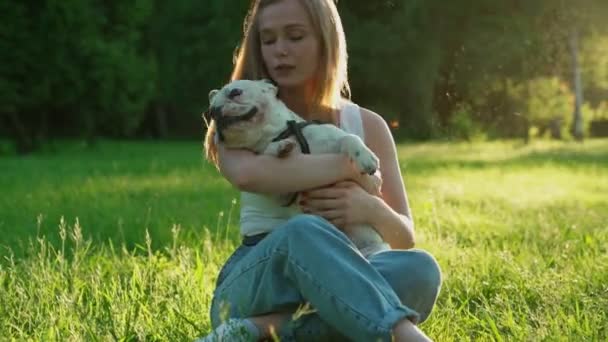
281, 47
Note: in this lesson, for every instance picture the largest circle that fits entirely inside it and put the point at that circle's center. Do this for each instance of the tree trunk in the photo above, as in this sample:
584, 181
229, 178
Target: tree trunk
24, 141
555, 126
161, 121
577, 122
88, 131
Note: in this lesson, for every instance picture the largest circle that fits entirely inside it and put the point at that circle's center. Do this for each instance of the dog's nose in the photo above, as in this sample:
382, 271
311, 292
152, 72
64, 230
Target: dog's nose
234, 93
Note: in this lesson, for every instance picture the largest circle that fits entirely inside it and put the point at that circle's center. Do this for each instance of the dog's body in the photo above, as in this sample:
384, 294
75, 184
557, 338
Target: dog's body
249, 115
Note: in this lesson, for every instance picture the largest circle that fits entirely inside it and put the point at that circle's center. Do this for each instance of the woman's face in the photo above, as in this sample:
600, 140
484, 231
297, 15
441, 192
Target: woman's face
289, 44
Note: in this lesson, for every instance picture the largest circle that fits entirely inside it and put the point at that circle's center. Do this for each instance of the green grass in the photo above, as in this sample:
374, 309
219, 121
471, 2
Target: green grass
520, 231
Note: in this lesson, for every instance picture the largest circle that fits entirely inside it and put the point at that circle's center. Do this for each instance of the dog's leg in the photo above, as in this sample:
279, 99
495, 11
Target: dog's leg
281, 148
372, 184
365, 160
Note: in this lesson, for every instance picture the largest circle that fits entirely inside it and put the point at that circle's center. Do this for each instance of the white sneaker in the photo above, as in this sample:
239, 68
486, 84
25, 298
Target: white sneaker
233, 330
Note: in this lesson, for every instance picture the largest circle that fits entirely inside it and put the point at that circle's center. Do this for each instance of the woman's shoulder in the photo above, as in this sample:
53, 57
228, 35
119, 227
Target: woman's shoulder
368, 116
372, 121
377, 131
371, 117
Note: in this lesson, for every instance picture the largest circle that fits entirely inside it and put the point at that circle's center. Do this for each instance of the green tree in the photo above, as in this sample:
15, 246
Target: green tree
72, 68
192, 43
393, 51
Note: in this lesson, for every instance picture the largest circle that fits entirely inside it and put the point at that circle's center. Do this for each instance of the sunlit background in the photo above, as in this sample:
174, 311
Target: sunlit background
434, 69
113, 227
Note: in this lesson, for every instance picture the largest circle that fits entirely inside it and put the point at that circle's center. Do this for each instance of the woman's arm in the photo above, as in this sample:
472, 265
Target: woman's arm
297, 172
345, 203
391, 214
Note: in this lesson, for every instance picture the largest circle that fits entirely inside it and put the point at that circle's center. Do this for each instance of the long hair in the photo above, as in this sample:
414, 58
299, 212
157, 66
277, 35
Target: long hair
332, 76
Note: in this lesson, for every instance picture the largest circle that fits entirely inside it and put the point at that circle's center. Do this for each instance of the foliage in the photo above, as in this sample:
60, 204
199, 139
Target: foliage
546, 104
395, 60
599, 113
463, 125
192, 43
143, 68
72, 67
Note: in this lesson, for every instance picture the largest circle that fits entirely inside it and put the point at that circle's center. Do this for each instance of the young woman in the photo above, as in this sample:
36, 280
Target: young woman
288, 260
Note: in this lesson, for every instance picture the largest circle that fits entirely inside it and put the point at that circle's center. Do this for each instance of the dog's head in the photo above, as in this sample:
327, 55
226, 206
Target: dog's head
240, 106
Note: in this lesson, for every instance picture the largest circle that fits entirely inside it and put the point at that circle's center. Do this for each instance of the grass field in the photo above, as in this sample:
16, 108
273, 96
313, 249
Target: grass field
124, 242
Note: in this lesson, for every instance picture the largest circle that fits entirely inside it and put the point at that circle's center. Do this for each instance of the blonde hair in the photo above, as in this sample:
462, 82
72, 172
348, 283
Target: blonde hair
332, 77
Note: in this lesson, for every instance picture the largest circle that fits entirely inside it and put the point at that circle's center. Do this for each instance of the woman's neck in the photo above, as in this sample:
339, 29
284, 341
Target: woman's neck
300, 101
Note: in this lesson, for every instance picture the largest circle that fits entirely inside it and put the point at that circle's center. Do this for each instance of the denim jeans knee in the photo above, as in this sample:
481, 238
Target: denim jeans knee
414, 275
311, 227
428, 282
432, 272
309, 260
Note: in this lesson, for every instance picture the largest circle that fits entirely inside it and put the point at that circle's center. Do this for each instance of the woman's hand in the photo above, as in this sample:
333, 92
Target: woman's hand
372, 184
343, 204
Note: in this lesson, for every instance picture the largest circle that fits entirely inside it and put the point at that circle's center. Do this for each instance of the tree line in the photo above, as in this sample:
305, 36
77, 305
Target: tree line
143, 68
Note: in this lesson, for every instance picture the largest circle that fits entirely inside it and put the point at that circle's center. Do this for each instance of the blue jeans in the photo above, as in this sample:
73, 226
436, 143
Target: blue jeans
308, 260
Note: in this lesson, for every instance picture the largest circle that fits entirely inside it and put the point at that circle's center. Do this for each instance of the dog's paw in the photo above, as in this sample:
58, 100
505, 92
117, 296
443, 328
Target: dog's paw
280, 149
364, 159
285, 148
372, 184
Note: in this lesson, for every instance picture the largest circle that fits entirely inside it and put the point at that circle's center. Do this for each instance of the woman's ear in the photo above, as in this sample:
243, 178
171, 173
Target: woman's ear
212, 94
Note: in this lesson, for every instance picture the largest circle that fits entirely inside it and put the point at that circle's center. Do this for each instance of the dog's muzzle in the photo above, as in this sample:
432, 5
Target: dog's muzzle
224, 122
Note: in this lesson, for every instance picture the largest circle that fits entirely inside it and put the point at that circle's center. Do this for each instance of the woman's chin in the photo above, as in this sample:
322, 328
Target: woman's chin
288, 82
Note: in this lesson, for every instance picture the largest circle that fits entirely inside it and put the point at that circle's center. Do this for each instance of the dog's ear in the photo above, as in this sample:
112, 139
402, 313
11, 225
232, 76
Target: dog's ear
269, 81
271, 85
212, 94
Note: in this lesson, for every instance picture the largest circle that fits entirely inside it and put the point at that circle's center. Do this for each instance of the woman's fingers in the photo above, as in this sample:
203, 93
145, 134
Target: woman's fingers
330, 214
331, 192
322, 199
335, 217
321, 204
338, 222
345, 184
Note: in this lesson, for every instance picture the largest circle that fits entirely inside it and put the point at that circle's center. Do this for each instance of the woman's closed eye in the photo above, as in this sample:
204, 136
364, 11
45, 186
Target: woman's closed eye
292, 38
268, 38
295, 35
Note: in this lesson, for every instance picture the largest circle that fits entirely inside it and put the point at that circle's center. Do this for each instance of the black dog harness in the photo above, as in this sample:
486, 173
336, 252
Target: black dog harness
295, 128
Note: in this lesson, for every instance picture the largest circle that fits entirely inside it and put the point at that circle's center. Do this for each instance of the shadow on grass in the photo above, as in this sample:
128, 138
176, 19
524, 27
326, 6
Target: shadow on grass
123, 218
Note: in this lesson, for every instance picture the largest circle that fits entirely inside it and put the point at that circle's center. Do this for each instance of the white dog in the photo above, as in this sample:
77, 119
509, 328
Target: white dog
249, 115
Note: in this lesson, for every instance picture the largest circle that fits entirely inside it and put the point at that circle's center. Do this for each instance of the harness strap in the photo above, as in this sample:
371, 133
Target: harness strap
295, 128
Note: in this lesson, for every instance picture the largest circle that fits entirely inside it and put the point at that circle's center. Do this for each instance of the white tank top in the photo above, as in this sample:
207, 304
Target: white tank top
261, 213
